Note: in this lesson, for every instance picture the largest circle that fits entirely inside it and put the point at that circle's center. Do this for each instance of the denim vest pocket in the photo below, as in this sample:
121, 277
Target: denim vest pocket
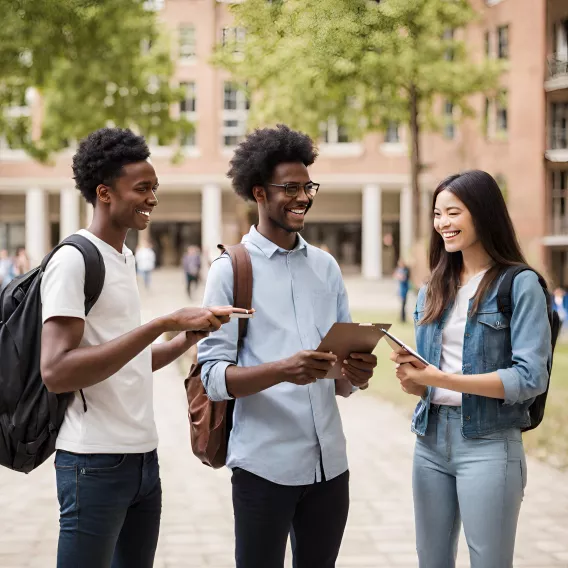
496, 337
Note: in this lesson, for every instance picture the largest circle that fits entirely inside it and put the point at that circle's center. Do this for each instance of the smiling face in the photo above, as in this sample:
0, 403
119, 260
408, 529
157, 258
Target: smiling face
286, 212
453, 221
132, 198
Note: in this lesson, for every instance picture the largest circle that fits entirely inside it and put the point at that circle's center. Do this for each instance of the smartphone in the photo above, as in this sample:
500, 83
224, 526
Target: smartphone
241, 313
397, 344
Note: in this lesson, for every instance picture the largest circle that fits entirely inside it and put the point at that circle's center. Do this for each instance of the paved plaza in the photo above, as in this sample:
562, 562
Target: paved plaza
197, 515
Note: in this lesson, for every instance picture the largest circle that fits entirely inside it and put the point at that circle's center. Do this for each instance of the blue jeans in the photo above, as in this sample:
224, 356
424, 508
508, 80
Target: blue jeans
478, 482
110, 507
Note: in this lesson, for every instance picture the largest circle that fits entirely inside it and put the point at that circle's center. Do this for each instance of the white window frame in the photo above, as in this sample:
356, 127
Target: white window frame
191, 115
187, 50
239, 114
234, 36
506, 45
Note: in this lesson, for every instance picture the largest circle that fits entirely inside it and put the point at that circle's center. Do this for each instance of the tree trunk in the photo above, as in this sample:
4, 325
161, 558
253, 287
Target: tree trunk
415, 163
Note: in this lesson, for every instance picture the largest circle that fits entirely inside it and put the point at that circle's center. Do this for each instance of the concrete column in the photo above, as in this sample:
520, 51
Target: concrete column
211, 220
406, 223
37, 225
69, 208
372, 228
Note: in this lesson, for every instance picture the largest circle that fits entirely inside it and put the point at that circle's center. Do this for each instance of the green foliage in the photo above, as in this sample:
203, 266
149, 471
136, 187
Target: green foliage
94, 62
356, 60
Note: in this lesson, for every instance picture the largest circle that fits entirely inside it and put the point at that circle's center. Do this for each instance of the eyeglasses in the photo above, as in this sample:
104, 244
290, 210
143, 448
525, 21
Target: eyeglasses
292, 189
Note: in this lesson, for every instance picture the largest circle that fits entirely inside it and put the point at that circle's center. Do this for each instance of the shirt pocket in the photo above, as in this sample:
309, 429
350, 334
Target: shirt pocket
496, 341
324, 309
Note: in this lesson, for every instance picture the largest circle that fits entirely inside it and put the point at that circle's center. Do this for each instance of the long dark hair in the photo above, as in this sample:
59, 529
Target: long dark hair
481, 195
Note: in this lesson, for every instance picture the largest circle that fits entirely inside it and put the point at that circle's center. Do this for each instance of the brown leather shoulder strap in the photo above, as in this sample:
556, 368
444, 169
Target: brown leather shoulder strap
242, 282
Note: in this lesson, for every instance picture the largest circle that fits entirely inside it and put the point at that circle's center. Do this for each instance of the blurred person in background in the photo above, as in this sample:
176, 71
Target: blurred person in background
145, 262
560, 304
402, 274
6, 269
21, 262
191, 263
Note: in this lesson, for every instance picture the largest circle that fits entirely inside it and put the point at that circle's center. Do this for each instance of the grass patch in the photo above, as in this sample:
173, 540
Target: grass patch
548, 442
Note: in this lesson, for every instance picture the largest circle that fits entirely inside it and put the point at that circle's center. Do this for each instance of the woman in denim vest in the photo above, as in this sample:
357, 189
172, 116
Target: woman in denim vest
485, 371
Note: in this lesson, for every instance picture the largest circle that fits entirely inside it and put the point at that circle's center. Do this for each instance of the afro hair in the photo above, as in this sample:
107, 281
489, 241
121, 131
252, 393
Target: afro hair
261, 151
101, 156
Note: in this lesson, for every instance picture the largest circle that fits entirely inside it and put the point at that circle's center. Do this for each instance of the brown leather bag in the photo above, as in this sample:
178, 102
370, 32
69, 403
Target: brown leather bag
211, 422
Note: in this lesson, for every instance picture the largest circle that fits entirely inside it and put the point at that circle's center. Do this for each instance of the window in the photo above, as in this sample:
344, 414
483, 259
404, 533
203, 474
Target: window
235, 114
502, 119
153, 5
392, 134
186, 41
559, 124
235, 37
450, 52
487, 44
333, 133
449, 125
559, 191
189, 103
187, 109
503, 42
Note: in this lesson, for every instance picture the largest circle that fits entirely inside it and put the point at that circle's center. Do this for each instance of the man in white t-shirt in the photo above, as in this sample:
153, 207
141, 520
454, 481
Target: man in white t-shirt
108, 482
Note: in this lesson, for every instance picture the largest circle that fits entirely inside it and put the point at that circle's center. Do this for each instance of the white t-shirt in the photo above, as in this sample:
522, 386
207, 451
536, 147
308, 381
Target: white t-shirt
451, 357
145, 259
120, 415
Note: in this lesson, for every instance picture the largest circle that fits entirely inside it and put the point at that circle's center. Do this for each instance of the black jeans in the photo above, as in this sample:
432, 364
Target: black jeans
265, 513
110, 506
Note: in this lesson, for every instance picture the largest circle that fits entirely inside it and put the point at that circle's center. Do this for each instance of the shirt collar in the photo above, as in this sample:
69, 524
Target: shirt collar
268, 247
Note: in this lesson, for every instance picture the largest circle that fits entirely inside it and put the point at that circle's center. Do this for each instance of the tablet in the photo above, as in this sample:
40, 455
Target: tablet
346, 338
399, 347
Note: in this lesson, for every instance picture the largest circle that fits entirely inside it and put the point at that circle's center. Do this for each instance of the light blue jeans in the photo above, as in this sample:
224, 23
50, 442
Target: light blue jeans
478, 482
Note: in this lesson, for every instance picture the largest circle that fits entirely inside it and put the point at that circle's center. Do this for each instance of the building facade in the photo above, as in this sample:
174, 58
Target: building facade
363, 211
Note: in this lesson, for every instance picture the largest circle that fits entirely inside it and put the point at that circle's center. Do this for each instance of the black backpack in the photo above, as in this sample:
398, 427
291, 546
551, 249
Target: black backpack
505, 305
30, 416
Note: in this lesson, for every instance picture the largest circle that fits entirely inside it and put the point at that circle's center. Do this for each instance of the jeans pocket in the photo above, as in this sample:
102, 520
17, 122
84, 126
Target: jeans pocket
100, 463
66, 460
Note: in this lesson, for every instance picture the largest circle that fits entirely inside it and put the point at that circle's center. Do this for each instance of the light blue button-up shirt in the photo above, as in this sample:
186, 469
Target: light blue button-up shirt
287, 433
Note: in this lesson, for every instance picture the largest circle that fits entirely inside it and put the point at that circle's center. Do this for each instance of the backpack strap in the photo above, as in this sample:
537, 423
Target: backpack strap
94, 267
94, 280
242, 282
504, 292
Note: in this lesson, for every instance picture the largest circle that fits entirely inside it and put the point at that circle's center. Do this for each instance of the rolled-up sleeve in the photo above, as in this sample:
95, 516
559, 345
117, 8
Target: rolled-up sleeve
530, 341
218, 351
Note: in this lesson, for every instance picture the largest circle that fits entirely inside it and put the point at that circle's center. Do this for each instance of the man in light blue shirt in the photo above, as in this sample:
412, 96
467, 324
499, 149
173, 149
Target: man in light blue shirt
287, 448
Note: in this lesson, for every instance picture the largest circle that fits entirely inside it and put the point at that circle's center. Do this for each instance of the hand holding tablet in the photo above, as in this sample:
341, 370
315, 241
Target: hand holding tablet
402, 349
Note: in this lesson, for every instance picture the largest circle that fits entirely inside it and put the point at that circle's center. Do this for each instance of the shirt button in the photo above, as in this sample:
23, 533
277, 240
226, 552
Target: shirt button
467, 417
467, 335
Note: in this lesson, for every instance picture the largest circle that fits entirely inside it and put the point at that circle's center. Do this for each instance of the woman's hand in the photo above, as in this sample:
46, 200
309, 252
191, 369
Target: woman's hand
412, 378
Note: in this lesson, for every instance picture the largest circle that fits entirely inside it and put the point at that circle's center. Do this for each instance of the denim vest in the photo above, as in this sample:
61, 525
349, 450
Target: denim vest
517, 348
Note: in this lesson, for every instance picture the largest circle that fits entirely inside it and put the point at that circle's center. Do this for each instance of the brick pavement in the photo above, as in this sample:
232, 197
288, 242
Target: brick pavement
197, 516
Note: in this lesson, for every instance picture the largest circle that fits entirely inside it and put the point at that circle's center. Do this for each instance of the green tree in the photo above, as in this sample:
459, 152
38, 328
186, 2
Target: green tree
93, 62
365, 62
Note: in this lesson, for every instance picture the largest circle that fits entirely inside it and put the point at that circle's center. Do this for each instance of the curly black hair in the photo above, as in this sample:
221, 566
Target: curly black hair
261, 151
102, 154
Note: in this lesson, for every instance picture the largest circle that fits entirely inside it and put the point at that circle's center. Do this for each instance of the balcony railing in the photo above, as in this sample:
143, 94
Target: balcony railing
558, 138
557, 65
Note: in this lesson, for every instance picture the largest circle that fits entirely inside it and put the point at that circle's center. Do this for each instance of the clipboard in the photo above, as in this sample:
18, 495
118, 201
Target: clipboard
346, 338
